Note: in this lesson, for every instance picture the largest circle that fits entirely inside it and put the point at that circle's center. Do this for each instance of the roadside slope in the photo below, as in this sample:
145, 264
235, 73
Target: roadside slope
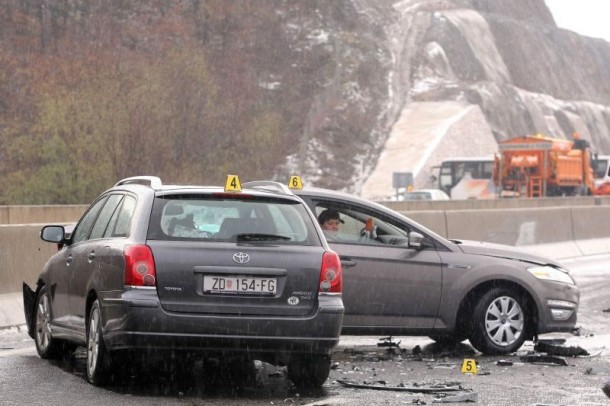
423, 136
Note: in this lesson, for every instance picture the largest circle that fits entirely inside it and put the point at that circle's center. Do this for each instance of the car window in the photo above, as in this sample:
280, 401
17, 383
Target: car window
83, 227
286, 223
120, 223
239, 218
362, 226
102, 220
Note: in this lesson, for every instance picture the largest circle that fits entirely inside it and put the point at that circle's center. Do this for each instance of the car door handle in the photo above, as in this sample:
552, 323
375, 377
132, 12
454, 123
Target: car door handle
347, 262
91, 256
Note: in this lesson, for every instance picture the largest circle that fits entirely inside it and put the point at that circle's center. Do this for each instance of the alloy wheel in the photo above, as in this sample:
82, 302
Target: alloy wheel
504, 321
93, 341
43, 323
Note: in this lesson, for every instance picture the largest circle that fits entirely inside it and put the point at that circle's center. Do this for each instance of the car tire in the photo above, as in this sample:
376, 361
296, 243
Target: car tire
98, 357
500, 322
309, 372
46, 346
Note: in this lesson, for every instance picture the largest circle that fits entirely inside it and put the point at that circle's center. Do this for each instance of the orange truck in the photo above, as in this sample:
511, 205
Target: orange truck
538, 166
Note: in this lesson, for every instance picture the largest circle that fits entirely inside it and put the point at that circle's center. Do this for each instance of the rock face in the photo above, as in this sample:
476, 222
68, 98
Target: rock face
505, 63
341, 92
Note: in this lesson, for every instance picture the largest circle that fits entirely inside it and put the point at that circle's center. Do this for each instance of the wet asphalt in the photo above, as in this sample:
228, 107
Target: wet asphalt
366, 370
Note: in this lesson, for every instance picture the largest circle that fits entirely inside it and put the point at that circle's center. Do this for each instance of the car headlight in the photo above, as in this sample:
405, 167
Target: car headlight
550, 273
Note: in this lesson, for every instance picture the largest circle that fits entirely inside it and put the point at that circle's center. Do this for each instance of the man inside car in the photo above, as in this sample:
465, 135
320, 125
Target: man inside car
329, 221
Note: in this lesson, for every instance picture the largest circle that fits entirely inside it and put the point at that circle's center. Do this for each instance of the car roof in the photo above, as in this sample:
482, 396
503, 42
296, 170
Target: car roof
154, 184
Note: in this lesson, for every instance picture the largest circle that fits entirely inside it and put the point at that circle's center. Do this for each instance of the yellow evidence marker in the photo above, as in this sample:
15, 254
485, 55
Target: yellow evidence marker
233, 184
295, 182
469, 366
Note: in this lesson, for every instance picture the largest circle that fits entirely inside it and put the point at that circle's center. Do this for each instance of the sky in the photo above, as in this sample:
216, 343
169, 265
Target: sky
586, 17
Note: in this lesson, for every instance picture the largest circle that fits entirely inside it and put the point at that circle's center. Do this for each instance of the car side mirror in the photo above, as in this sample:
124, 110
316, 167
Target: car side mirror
415, 240
54, 234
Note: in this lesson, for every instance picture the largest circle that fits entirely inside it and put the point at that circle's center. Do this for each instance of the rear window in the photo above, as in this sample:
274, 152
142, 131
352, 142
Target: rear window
238, 218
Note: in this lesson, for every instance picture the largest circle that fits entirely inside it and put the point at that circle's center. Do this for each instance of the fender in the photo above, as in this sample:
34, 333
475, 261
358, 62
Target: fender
468, 279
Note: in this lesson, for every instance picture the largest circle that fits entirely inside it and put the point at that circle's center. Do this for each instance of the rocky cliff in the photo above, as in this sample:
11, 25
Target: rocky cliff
342, 92
506, 58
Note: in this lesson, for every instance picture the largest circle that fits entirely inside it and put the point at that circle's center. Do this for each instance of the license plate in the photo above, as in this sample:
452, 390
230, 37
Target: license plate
239, 284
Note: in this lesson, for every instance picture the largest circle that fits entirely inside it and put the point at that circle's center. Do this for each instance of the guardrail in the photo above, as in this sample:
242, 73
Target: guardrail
548, 226
499, 204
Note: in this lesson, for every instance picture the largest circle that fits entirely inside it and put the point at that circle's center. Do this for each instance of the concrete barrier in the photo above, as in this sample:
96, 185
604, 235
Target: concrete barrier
497, 204
71, 213
546, 231
11, 310
591, 222
22, 255
434, 220
41, 214
556, 232
512, 227
591, 229
559, 232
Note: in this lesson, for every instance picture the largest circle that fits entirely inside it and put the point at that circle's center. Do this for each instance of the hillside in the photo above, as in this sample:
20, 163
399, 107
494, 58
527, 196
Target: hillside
191, 91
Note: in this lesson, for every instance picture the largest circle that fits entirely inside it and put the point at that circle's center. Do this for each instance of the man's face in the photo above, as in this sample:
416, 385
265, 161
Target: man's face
331, 225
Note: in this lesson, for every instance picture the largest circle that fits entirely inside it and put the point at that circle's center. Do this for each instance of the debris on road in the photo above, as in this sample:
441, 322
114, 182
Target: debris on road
460, 398
581, 332
606, 388
544, 359
371, 356
557, 347
504, 363
597, 371
387, 342
434, 388
443, 365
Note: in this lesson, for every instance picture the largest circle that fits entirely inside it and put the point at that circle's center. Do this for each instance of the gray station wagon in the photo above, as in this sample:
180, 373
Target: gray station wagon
155, 269
401, 278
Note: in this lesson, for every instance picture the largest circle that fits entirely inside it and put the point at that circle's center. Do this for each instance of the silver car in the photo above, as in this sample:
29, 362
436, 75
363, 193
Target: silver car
176, 271
403, 279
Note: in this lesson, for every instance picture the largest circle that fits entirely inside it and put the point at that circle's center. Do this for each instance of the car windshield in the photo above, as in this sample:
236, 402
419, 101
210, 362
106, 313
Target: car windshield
243, 219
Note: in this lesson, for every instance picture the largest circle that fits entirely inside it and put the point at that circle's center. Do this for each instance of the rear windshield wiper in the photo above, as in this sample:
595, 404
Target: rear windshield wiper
261, 237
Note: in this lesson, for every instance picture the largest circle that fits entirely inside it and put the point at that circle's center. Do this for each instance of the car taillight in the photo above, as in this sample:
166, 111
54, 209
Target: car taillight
331, 274
139, 266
